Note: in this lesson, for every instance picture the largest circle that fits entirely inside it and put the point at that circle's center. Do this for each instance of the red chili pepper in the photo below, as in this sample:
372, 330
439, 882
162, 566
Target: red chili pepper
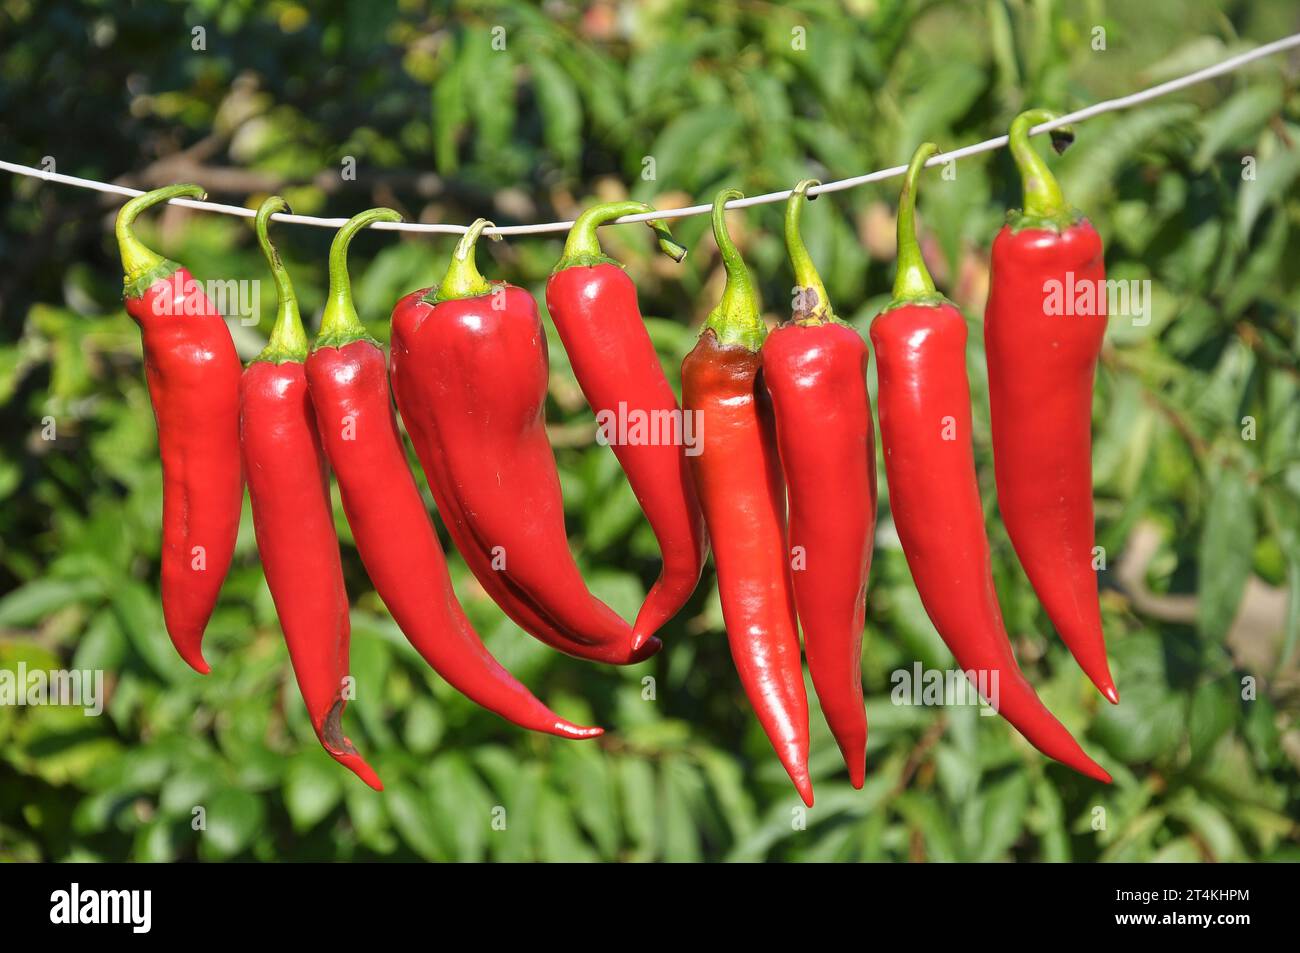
193, 374
288, 483
1041, 369
593, 303
470, 370
395, 538
738, 478
925, 428
815, 369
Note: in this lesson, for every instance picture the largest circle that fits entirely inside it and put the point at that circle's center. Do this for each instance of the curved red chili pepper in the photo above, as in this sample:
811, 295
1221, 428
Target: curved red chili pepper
593, 303
1041, 369
925, 427
470, 370
395, 538
815, 369
288, 483
738, 478
193, 375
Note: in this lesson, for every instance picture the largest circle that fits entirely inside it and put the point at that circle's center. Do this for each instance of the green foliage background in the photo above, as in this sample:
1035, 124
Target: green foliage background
1202, 527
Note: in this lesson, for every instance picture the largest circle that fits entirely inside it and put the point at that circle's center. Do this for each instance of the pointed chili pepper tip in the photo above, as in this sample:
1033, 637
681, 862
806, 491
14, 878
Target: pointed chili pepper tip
141, 265
736, 320
582, 247
340, 325
913, 284
1044, 204
196, 661
567, 729
288, 341
812, 304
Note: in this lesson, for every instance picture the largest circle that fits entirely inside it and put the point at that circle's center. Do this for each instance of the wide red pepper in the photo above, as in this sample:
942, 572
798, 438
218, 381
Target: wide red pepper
470, 372
348, 379
193, 375
738, 478
593, 303
288, 483
815, 369
925, 429
1042, 358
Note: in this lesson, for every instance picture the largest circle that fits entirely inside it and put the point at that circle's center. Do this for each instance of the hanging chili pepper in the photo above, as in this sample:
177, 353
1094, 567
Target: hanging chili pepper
394, 535
925, 428
1041, 368
815, 370
193, 375
470, 370
593, 303
738, 478
288, 483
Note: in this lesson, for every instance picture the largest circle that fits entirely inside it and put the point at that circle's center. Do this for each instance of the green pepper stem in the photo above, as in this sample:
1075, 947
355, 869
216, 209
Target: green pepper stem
340, 325
913, 282
735, 320
582, 247
288, 338
1042, 194
463, 279
813, 305
141, 265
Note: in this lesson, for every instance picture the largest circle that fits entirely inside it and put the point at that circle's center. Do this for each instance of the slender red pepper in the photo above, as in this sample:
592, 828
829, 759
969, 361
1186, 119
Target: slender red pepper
470, 371
193, 375
738, 478
1041, 368
593, 303
815, 369
395, 538
288, 483
925, 428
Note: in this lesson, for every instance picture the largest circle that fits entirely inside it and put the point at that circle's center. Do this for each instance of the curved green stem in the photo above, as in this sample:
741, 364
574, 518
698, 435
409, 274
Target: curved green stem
912, 284
143, 266
340, 324
582, 247
813, 305
735, 320
1044, 205
288, 338
463, 279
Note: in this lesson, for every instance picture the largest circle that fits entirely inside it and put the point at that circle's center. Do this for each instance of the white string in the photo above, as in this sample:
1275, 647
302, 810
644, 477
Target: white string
988, 145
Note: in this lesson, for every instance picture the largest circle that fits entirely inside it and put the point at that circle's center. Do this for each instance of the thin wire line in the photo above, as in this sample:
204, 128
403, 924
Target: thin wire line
988, 145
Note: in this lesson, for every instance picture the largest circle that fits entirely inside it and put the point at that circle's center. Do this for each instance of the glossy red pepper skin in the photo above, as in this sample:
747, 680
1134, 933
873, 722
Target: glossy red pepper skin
470, 376
193, 375
1041, 371
594, 306
288, 483
738, 479
816, 376
925, 430
392, 530
815, 370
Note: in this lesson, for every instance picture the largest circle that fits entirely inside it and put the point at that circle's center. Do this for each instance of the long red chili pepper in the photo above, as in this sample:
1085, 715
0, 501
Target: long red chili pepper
1041, 367
925, 428
288, 483
593, 303
193, 375
469, 370
815, 369
395, 538
738, 477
